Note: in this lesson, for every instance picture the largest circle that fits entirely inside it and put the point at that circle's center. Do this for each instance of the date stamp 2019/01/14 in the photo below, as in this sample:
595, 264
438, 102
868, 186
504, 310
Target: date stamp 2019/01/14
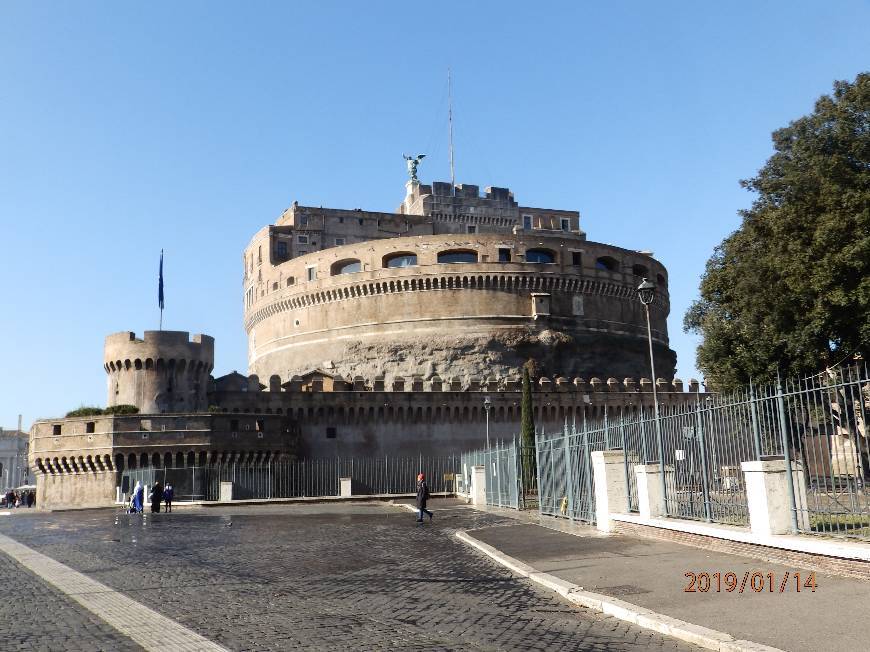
752, 581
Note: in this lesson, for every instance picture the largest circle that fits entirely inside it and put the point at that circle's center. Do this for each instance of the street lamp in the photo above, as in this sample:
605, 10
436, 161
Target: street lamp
646, 292
487, 404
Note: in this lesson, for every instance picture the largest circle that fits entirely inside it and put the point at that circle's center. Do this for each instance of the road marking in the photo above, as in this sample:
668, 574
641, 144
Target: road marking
148, 628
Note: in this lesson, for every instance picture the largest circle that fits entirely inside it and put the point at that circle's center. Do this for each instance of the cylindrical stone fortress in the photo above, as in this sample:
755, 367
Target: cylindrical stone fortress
166, 371
455, 305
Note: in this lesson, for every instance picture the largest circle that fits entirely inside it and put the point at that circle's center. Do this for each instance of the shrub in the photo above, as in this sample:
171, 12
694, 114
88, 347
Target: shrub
121, 409
85, 411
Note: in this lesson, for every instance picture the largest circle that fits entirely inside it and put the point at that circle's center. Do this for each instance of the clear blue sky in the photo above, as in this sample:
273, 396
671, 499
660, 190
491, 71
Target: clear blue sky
127, 127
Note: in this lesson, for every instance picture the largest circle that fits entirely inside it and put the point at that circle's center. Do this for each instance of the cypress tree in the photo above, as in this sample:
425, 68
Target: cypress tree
527, 427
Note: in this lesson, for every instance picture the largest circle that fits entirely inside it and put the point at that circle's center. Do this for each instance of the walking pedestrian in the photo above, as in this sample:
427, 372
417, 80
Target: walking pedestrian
31, 498
168, 493
137, 498
156, 497
422, 497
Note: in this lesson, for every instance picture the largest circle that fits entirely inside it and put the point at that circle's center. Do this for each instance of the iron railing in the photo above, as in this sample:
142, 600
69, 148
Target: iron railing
502, 465
297, 479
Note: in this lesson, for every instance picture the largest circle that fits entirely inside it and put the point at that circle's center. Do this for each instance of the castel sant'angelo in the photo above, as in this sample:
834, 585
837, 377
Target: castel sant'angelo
381, 333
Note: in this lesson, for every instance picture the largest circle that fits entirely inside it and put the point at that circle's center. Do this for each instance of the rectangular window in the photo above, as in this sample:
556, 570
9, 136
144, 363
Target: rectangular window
471, 228
90, 426
261, 425
566, 224
303, 220
527, 222
339, 242
234, 425
281, 249
331, 433
302, 239
577, 259
55, 430
504, 255
259, 254
312, 273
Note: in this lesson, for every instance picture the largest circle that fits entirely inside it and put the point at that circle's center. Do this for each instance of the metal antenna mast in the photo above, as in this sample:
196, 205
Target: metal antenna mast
450, 129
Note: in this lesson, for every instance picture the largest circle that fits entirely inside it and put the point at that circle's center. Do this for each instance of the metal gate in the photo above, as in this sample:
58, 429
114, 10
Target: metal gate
565, 480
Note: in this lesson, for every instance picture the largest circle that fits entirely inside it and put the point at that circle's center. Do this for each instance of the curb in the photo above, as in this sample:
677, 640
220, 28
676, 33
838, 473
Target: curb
680, 629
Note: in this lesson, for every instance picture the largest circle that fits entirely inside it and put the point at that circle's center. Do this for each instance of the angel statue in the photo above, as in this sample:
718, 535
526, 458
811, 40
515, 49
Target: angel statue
413, 162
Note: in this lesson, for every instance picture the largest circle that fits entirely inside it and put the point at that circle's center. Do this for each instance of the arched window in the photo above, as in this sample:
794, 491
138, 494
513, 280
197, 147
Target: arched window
641, 271
607, 264
348, 266
540, 256
457, 256
661, 280
401, 259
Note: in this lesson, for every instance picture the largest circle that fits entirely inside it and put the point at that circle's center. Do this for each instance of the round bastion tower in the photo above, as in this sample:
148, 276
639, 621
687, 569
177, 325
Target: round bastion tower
166, 371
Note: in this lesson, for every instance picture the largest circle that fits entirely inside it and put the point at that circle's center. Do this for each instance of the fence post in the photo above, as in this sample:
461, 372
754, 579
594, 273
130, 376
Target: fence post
538, 473
569, 473
587, 467
756, 434
786, 449
705, 476
625, 458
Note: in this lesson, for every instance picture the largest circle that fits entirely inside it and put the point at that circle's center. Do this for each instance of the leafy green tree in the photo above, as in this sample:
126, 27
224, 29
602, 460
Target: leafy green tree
790, 289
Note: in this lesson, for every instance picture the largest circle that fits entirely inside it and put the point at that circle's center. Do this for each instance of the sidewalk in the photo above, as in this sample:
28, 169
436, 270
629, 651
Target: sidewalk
650, 574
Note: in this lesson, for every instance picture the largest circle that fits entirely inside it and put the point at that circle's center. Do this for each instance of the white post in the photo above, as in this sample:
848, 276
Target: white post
611, 491
346, 487
478, 485
767, 493
649, 489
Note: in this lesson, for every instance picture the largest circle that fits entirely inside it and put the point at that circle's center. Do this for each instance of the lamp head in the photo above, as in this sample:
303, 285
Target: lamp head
646, 292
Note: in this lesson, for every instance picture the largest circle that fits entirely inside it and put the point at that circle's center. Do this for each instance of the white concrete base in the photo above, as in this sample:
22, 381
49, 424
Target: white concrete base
611, 492
226, 493
767, 493
709, 639
478, 485
801, 543
649, 488
345, 487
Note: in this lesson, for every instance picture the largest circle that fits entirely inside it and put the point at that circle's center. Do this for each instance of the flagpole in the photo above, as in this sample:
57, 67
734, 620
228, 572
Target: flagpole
160, 289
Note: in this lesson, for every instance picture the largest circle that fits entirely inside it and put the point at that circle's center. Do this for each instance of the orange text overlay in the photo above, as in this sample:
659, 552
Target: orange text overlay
750, 582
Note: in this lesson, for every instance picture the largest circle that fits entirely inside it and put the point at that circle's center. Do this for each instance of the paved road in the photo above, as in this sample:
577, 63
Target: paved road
306, 577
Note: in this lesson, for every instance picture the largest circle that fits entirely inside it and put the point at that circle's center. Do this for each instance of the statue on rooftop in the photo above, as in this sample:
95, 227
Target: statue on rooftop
413, 162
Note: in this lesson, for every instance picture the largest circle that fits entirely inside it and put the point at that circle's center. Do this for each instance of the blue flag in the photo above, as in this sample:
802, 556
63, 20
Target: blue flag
160, 283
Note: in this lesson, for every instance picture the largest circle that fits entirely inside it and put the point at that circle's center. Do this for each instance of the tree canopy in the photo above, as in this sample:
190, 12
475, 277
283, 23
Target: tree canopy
790, 289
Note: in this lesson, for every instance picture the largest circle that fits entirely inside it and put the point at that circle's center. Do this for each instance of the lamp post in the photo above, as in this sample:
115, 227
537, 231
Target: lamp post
487, 404
646, 292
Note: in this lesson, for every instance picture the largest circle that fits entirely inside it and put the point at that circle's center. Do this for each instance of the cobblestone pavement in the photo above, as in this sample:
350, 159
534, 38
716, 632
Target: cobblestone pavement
38, 617
324, 577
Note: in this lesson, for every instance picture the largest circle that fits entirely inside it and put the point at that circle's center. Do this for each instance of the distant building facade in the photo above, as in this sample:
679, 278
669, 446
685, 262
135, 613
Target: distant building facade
14, 469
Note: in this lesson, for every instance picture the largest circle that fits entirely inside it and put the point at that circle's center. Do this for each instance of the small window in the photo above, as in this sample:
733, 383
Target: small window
303, 220
471, 228
346, 267
360, 220
274, 286
302, 238
527, 222
234, 425
400, 260
607, 264
577, 259
504, 255
56, 429
90, 427
259, 254
339, 242
457, 256
640, 271
281, 249
341, 220
290, 281
331, 433
660, 279
312, 273
540, 256
566, 224
261, 425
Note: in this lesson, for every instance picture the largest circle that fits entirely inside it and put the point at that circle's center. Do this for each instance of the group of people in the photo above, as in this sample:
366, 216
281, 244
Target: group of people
14, 498
157, 495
